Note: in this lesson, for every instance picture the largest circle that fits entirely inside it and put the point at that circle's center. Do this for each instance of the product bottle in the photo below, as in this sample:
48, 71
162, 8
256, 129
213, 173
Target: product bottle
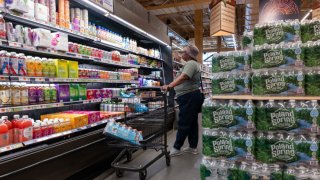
37, 133
10, 128
31, 66
15, 95
3, 32
38, 67
56, 125
53, 94
14, 122
44, 129
22, 69
4, 63
24, 98
24, 129
40, 94
33, 95
47, 94
50, 127
3, 134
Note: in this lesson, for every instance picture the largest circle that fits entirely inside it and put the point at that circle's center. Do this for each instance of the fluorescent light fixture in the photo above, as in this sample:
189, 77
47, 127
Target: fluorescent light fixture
307, 15
174, 45
234, 42
95, 6
136, 28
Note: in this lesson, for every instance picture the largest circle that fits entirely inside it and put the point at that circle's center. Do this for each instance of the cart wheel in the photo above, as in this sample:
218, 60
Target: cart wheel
119, 173
168, 160
129, 156
143, 175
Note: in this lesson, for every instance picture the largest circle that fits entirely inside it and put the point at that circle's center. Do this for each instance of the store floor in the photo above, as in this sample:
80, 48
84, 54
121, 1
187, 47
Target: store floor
182, 167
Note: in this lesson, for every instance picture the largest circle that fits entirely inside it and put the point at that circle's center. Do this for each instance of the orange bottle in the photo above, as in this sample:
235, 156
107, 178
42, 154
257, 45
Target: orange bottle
24, 129
14, 122
10, 129
3, 134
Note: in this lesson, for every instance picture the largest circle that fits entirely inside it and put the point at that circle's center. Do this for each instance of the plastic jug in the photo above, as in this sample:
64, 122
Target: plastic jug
37, 133
4, 140
24, 129
10, 129
14, 122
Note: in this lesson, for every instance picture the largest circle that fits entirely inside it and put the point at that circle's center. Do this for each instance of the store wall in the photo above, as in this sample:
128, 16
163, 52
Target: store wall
133, 12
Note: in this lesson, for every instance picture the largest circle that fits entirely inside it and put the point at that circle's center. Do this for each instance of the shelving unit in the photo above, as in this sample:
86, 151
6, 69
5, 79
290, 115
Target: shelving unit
265, 98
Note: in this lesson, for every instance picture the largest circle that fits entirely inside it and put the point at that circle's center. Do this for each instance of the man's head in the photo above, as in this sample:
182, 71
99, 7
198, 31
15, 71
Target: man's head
190, 52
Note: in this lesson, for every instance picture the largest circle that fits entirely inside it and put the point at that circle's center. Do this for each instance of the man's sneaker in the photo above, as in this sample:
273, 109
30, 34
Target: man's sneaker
175, 152
190, 150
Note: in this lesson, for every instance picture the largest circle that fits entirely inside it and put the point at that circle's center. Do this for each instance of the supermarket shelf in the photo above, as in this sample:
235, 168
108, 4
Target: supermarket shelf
47, 106
33, 23
57, 135
68, 80
250, 97
70, 56
152, 68
150, 77
75, 34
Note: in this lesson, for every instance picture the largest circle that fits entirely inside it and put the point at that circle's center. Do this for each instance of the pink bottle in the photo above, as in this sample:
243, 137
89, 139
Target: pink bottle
10, 129
14, 122
44, 129
37, 133
4, 141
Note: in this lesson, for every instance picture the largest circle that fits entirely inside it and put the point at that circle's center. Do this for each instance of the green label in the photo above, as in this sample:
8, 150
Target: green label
283, 150
223, 116
274, 34
276, 83
227, 63
222, 146
273, 57
283, 118
228, 85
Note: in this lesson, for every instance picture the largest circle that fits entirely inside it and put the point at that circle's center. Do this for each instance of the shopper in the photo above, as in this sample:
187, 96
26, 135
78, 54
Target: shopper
190, 100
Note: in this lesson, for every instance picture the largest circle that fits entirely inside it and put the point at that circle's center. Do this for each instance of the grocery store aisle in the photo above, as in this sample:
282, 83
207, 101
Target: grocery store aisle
186, 165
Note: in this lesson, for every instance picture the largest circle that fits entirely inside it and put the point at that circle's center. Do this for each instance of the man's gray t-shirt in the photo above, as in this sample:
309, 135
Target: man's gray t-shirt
192, 70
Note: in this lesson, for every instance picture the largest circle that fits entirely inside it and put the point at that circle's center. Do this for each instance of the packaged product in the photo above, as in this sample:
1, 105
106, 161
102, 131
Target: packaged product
41, 12
17, 5
52, 11
281, 56
277, 116
73, 69
52, 68
311, 54
278, 82
82, 92
10, 32
229, 145
74, 92
18, 32
312, 79
231, 61
277, 32
13, 64
3, 33
42, 38
59, 41
307, 114
4, 63
28, 36
286, 149
63, 93
234, 83
31, 9
61, 68
234, 116
310, 30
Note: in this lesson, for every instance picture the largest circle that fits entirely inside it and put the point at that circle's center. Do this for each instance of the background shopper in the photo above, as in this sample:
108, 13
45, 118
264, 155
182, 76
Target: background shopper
190, 100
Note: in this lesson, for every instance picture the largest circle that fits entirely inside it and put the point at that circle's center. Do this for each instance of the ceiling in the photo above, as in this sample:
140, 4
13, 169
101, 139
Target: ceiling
179, 16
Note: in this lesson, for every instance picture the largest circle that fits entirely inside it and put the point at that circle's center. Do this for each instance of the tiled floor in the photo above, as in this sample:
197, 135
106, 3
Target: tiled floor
184, 167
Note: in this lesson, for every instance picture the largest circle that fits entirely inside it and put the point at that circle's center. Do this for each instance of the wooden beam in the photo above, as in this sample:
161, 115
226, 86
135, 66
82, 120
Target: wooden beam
198, 33
195, 3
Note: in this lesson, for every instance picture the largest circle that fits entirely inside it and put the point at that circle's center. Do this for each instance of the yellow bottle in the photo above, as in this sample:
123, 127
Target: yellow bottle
39, 67
31, 66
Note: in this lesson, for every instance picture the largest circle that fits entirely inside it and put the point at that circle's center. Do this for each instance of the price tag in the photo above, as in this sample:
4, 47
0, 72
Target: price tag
32, 48
86, 101
14, 44
39, 79
4, 110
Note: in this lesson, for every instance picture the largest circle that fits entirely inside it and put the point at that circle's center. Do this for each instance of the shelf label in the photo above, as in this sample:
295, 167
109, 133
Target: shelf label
39, 79
86, 101
22, 78
3, 78
32, 48
14, 44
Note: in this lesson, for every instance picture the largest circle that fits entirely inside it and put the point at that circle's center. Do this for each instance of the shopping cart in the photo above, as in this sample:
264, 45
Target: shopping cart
154, 130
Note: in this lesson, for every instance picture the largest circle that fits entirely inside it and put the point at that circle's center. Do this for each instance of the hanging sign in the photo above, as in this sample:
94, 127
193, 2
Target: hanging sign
273, 10
106, 4
222, 18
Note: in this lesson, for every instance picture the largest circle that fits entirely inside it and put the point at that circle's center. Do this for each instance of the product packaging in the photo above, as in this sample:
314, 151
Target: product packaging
19, 34
285, 149
28, 36
74, 92
311, 54
247, 40
17, 5
281, 56
67, 13
234, 83
277, 32
59, 41
231, 61
82, 92
61, 68
52, 11
63, 93
234, 116
61, 12
73, 69
312, 77
31, 9
41, 12
42, 38
310, 30
3, 33
278, 82
10, 32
